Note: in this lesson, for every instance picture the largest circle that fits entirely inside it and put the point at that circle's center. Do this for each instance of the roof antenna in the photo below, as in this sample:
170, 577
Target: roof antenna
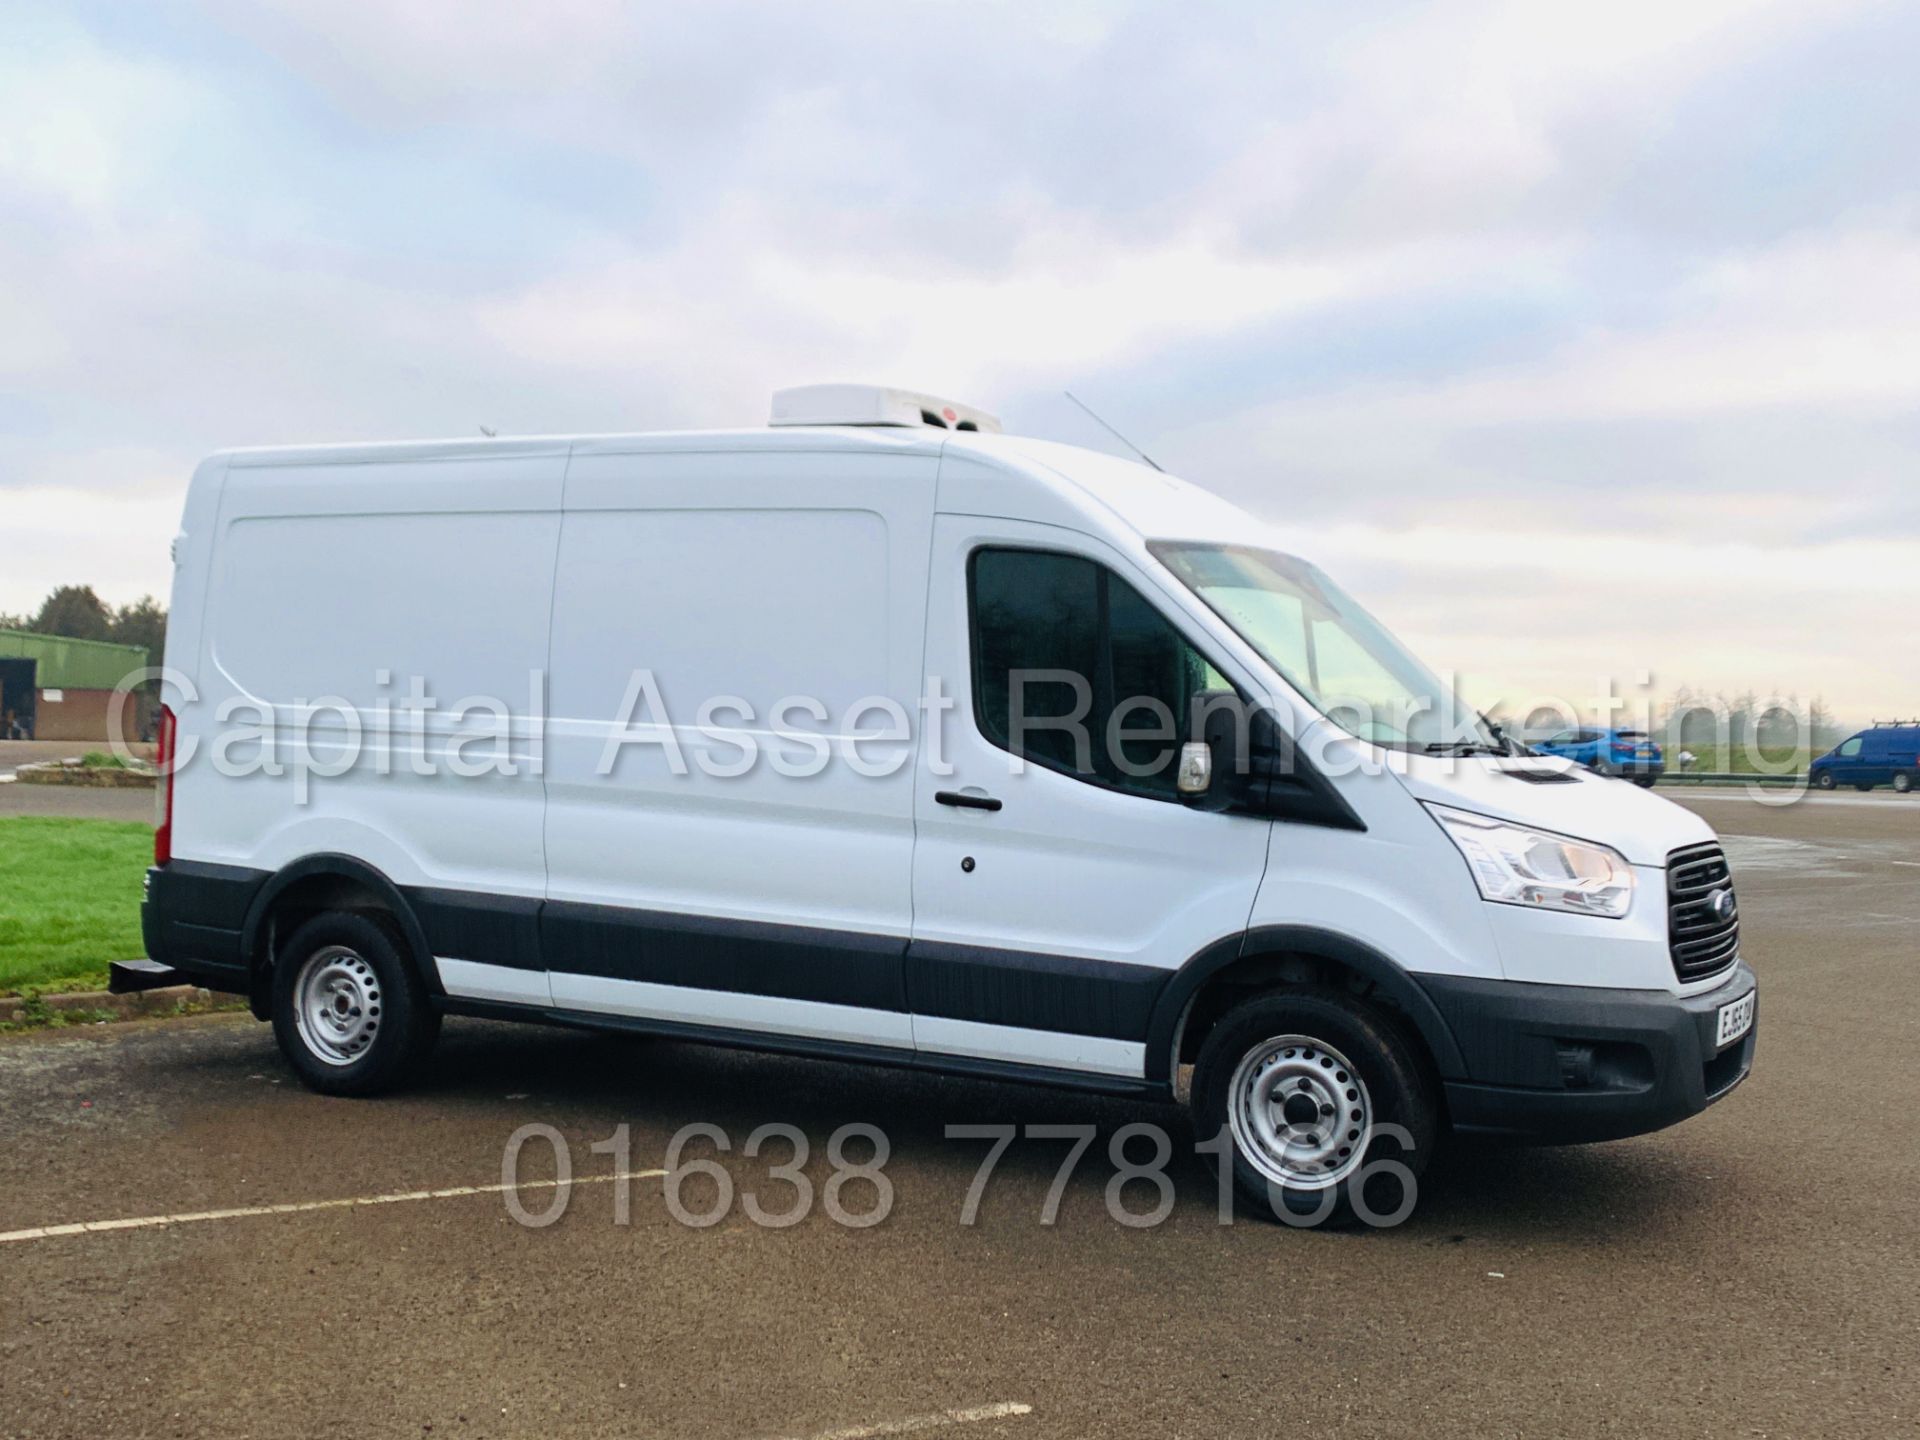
1115, 433
488, 433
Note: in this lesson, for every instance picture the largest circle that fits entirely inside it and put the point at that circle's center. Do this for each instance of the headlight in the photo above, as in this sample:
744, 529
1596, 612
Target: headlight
1518, 866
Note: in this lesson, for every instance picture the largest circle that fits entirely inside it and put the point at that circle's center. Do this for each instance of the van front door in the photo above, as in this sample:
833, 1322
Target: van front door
1848, 766
1058, 878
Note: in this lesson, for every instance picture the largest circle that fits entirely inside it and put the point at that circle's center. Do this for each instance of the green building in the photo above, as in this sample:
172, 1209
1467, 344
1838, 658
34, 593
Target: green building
56, 688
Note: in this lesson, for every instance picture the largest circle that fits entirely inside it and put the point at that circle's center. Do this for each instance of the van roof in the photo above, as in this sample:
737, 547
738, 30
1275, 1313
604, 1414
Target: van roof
1144, 500
816, 437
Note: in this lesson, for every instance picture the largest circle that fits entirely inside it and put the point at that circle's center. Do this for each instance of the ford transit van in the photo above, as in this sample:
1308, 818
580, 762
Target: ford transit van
878, 734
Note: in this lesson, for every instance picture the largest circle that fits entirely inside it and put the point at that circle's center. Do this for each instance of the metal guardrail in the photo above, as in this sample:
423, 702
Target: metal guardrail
1721, 777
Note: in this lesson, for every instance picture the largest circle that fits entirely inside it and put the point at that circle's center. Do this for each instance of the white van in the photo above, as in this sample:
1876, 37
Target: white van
881, 735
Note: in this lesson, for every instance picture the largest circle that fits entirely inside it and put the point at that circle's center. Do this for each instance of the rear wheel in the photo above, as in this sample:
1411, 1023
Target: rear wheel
348, 1010
1328, 1110
1645, 782
1902, 782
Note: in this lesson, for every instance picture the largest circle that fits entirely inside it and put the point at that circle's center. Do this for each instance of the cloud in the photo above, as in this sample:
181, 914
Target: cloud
1529, 294
1536, 608
82, 127
1813, 342
729, 314
65, 535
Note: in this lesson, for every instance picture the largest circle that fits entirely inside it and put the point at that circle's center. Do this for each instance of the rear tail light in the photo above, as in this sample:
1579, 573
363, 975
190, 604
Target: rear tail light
163, 797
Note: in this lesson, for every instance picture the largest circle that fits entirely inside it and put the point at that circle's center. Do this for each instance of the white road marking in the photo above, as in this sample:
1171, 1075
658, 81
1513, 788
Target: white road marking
937, 1420
1914, 863
301, 1207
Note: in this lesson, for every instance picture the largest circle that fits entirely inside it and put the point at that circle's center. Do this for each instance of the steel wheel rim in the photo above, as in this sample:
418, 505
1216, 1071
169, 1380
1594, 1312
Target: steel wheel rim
336, 1005
1269, 1096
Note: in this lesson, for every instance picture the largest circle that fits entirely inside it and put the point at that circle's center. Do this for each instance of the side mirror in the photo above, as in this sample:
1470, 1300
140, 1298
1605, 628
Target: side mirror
1195, 774
1214, 769
1251, 766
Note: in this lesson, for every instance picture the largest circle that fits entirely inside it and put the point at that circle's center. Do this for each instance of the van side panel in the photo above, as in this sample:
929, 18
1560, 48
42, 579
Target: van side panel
696, 592
393, 614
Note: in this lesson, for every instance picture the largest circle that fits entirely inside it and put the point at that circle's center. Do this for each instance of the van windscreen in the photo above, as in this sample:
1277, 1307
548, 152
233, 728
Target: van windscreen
1329, 649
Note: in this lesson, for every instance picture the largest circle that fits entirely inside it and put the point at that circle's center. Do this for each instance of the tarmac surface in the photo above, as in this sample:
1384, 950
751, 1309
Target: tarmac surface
1753, 1271
74, 801
15, 753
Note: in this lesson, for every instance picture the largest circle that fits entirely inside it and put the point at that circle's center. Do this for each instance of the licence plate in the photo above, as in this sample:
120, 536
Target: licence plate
1735, 1020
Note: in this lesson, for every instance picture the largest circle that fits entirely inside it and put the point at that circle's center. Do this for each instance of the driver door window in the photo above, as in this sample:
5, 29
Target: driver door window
1073, 669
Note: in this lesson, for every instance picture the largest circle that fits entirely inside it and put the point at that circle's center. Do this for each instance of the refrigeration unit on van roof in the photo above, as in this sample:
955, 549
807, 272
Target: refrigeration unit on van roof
875, 405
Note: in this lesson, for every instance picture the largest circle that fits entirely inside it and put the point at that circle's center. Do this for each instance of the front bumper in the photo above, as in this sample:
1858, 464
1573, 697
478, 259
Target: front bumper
1559, 1064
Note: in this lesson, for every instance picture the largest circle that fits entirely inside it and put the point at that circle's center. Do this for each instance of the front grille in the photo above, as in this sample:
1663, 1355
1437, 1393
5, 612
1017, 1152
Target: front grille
1702, 943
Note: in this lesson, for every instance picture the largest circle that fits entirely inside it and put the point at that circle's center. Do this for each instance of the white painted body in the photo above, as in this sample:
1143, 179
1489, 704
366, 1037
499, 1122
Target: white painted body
816, 561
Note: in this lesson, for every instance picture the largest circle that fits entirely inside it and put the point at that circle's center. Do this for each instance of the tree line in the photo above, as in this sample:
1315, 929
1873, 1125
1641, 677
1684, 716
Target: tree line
77, 613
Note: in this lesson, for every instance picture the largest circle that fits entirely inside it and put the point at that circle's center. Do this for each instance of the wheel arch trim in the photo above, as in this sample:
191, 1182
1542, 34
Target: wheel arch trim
343, 867
1176, 998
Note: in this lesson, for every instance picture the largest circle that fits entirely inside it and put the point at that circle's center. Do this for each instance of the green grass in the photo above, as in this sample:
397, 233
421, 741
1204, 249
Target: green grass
102, 760
69, 900
1738, 760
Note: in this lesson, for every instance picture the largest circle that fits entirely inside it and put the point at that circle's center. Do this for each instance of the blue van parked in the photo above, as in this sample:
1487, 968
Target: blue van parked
1628, 753
1887, 753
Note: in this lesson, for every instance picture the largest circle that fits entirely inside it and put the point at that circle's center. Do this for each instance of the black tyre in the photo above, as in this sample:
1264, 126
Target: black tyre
1824, 780
1331, 1114
1861, 785
348, 1010
1902, 782
1645, 782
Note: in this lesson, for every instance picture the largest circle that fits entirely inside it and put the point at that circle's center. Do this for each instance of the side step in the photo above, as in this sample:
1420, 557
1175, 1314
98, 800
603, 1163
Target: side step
124, 977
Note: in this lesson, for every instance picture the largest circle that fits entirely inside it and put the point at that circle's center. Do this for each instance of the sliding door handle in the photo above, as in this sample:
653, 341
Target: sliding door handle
966, 800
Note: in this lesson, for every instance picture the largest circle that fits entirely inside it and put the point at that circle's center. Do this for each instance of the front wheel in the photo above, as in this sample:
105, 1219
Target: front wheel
1330, 1114
348, 1010
1645, 782
1824, 780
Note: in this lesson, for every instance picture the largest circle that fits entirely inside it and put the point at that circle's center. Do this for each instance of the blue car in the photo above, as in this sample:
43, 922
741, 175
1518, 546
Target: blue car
1887, 753
1630, 754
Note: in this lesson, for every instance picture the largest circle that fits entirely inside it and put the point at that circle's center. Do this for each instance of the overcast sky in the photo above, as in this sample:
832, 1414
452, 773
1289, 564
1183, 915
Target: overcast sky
1575, 339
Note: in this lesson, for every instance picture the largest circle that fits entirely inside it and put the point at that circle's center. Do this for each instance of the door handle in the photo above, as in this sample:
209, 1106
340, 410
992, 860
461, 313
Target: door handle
965, 801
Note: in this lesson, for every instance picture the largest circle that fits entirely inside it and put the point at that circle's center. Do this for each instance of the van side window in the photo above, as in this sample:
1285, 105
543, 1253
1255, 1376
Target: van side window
1119, 669
1850, 749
